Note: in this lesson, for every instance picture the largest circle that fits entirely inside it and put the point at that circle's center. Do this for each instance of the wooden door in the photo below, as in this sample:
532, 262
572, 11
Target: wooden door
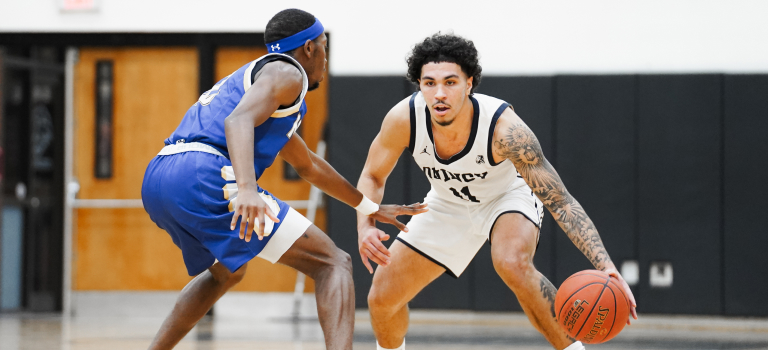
122, 249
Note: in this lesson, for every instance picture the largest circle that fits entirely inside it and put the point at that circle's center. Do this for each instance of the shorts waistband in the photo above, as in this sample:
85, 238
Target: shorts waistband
187, 147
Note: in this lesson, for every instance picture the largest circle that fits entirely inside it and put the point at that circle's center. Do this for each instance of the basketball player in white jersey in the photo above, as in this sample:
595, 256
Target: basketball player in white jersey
490, 181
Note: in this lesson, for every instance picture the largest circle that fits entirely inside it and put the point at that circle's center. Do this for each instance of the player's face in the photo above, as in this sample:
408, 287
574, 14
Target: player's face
319, 62
446, 89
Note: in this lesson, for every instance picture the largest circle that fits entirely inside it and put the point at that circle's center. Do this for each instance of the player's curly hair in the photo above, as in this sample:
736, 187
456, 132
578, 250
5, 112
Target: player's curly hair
286, 23
445, 48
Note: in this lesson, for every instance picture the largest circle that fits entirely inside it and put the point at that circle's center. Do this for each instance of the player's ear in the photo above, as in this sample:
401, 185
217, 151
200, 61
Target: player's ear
307, 48
469, 85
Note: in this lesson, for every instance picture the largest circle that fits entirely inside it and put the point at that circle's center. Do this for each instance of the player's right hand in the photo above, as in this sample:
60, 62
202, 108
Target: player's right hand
370, 246
252, 208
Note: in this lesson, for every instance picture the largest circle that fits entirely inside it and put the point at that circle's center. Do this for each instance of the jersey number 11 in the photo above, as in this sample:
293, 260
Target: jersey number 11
465, 195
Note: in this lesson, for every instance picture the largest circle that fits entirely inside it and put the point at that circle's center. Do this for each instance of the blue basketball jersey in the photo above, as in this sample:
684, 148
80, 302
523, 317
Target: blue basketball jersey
204, 121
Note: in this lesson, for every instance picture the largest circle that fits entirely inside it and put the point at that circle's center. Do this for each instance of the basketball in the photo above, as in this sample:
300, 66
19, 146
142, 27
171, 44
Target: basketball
591, 306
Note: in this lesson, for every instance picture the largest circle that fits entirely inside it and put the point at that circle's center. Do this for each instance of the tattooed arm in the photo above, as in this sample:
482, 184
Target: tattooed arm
513, 140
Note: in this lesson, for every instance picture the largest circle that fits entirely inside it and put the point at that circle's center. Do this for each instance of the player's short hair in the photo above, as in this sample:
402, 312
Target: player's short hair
286, 23
445, 48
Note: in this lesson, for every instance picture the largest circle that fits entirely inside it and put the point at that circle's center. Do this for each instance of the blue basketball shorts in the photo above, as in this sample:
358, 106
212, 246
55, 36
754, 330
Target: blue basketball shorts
190, 195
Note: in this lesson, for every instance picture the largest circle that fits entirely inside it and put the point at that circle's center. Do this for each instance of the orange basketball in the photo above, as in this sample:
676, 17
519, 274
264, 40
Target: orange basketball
591, 306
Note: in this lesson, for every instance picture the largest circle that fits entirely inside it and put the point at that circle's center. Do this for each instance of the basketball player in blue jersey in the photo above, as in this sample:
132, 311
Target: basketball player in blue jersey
490, 181
202, 187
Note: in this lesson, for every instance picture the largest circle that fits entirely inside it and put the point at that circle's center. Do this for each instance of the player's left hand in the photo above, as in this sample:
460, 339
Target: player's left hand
388, 213
611, 271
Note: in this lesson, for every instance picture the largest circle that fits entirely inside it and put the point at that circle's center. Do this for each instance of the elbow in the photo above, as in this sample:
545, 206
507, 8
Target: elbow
305, 172
370, 178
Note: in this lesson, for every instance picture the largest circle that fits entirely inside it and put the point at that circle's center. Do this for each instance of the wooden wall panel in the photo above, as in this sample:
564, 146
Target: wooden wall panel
122, 249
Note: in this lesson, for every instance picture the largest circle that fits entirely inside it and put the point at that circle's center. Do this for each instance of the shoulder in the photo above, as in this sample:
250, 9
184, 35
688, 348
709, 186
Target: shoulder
400, 114
491, 106
282, 78
507, 119
510, 125
396, 126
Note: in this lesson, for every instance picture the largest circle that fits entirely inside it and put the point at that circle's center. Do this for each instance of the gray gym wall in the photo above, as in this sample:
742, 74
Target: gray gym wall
669, 167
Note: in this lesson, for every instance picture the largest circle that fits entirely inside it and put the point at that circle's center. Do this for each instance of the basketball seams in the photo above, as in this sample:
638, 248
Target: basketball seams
567, 300
615, 313
621, 289
597, 301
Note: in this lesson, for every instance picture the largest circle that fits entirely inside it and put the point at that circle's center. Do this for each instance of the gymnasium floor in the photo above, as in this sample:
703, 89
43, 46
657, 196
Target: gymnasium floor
245, 321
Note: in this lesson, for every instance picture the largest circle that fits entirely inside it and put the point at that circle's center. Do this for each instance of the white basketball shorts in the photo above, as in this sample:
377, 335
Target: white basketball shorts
450, 234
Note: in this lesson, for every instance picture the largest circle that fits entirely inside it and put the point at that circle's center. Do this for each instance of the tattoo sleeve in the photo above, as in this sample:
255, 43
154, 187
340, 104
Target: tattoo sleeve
519, 144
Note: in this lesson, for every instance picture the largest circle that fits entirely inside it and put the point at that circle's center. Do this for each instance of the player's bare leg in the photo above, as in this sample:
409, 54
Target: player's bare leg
197, 297
512, 247
315, 255
393, 287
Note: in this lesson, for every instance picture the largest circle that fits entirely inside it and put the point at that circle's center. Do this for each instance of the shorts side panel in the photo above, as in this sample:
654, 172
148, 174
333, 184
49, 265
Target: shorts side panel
444, 234
521, 200
290, 230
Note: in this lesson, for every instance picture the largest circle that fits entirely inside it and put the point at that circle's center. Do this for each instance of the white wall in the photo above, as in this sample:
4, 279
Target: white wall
514, 37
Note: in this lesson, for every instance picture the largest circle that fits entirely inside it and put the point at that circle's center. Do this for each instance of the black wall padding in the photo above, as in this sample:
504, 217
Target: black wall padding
746, 165
596, 161
670, 168
679, 197
531, 98
357, 108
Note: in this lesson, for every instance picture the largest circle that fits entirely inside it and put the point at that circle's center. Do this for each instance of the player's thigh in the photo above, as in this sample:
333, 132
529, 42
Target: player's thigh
513, 237
406, 275
312, 251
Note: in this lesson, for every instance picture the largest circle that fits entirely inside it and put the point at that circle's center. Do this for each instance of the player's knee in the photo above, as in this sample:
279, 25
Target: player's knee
233, 278
383, 301
343, 259
238, 275
514, 267
332, 264
222, 275
378, 301
339, 259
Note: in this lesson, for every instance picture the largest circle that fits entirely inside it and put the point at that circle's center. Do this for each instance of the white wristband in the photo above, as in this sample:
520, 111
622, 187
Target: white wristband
367, 206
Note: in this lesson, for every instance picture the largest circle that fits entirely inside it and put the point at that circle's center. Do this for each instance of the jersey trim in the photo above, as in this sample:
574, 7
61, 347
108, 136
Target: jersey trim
491, 129
470, 141
538, 226
256, 65
412, 142
447, 270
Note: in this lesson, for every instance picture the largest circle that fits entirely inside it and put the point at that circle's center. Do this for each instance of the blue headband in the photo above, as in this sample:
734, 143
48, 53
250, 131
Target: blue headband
296, 40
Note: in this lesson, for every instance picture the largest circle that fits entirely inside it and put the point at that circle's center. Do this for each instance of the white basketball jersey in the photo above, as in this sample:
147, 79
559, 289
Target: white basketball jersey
470, 176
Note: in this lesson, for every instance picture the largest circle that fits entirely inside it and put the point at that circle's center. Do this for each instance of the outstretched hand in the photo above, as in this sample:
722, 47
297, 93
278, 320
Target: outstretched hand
388, 213
632, 304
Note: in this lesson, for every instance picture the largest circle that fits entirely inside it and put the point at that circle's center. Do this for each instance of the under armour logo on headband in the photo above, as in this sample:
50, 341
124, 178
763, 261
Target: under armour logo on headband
297, 40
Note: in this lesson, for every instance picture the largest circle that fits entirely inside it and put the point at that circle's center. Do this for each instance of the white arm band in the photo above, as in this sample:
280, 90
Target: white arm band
367, 206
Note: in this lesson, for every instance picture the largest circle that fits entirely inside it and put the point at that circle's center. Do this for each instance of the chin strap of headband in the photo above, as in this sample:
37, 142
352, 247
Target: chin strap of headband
296, 40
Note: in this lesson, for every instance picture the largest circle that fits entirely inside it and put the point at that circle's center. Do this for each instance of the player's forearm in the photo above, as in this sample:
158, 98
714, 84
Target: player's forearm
520, 145
240, 140
372, 188
572, 218
327, 179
